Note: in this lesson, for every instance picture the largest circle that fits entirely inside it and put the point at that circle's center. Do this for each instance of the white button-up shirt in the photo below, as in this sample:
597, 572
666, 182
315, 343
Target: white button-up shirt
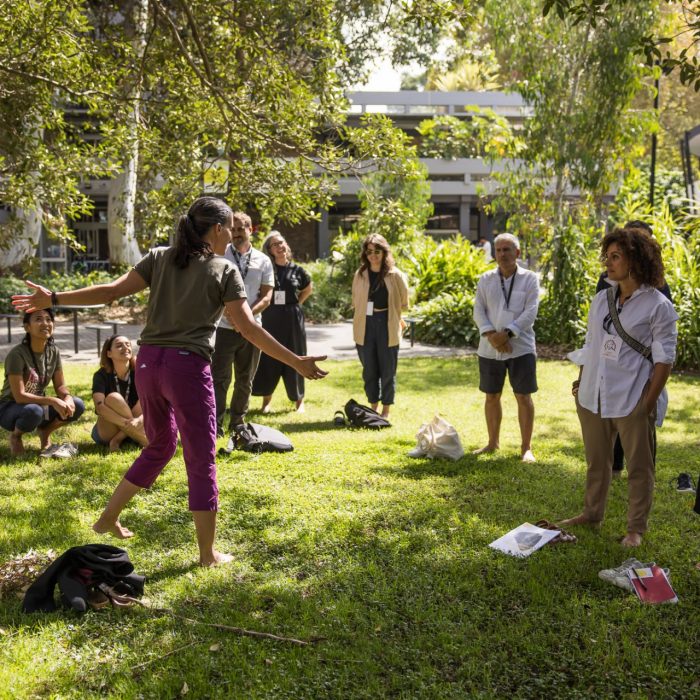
256, 272
491, 313
647, 316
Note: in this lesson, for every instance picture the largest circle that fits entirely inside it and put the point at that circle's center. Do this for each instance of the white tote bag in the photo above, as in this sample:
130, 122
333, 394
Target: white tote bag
437, 439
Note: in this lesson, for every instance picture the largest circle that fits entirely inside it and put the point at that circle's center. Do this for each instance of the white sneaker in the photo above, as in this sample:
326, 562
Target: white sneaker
618, 576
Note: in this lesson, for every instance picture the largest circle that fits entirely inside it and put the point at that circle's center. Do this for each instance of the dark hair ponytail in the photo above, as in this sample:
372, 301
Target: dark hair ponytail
204, 213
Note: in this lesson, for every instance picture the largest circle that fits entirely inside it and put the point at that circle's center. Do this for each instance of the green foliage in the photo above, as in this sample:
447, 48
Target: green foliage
63, 282
330, 301
632, 201
483, 134
654, 46
447, 319
170, 86
570, 270
444, 278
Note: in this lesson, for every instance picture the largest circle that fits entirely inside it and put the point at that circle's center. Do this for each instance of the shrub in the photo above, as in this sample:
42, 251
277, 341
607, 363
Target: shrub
330, 301
570, 270
450, 266
447, 319
9, 285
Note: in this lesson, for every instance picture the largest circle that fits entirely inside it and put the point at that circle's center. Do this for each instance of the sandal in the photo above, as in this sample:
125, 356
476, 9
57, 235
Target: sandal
339, 418
563, 535
118, 600
97, 599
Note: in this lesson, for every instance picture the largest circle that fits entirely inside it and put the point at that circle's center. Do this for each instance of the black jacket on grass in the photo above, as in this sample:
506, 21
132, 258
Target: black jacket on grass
74, 570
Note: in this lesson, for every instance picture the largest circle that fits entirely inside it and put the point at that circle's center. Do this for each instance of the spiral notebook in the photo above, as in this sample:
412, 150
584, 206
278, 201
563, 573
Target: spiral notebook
652, 585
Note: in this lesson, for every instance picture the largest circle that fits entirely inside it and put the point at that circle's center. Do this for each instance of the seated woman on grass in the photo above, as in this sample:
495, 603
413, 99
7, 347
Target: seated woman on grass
29, 367
117, 404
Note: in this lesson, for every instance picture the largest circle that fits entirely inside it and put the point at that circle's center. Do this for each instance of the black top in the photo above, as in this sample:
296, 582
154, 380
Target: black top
104, 382
604, 284
291, 279
377, 291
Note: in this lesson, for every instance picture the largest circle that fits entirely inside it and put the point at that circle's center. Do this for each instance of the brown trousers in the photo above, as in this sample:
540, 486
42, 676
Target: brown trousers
637, 436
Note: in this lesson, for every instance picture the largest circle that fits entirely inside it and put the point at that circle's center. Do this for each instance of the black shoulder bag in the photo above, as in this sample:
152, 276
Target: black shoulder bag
643, 350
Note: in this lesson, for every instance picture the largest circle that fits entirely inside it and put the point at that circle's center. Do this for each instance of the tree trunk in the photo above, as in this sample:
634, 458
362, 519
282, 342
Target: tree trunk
23, 246
123, 248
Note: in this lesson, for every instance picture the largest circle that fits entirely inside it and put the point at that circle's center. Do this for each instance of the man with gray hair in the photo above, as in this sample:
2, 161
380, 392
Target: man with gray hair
231, 348
505, 309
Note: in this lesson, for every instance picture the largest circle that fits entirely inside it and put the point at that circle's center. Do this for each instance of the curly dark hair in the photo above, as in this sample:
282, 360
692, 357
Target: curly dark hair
642, 251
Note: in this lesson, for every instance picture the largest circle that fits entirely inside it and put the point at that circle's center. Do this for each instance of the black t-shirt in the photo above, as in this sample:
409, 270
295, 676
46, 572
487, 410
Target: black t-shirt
604, 284
104, 382
290, 279
377, 291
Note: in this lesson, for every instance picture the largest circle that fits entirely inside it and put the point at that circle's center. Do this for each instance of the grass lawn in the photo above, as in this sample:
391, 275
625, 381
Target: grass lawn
383, 557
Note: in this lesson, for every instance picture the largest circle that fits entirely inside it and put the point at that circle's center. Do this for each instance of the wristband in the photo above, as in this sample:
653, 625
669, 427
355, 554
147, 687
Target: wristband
509, 333
54, 299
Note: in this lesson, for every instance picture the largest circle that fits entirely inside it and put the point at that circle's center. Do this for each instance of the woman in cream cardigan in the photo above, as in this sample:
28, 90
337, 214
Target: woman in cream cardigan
379, 293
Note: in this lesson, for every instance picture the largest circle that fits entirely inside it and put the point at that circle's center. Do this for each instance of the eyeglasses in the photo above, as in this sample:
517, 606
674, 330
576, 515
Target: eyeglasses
377, 251
276, 244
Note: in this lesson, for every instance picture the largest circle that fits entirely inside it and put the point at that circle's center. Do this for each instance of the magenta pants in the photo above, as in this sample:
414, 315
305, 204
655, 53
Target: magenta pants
176, 393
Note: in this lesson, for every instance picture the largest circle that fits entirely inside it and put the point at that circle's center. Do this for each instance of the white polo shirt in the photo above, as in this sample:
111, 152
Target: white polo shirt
256, 270
618, 380
492, 312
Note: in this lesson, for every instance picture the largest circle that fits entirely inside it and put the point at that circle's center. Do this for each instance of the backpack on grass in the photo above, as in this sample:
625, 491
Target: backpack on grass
360, 416
256, 438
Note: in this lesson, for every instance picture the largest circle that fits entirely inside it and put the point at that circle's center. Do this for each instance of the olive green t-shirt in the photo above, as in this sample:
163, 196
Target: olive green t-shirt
184, 306
36, 369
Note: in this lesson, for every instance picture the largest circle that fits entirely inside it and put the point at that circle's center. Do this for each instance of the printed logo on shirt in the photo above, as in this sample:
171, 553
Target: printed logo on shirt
34, 384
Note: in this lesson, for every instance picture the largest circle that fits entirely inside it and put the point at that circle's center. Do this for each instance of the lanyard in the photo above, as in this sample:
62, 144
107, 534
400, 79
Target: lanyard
125, 395
41, 379
503, 286
240, 259
281, 279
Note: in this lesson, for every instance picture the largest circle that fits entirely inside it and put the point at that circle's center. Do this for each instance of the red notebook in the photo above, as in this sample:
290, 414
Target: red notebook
652, 585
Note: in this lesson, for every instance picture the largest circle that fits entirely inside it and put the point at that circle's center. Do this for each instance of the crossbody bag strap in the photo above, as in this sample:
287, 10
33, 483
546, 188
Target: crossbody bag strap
643, 350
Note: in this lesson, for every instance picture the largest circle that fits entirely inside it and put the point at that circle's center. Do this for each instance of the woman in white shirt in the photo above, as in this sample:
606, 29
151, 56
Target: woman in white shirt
621, 389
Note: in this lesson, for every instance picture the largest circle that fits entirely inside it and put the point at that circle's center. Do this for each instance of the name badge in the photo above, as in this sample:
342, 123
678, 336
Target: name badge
610, 349
370, 308
280, 297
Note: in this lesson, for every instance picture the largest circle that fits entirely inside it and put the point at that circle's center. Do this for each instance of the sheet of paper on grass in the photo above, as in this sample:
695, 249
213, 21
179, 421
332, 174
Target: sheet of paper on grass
523, 540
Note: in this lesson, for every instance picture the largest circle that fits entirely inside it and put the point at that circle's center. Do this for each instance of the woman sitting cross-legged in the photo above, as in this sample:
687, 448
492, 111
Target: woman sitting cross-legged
117, 404
29, 367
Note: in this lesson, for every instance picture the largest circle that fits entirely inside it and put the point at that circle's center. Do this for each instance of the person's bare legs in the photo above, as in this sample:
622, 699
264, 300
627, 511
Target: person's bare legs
386, 408
16, 444
133, 425
632, 539
580, 519
526, 419
205, 526
494, 414
265, 408
45, 433
300, 408
109, 520
374, 405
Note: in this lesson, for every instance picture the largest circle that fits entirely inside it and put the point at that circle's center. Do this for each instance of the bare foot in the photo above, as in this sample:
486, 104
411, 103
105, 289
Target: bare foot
266, 408
44, 438
579, 520
485, 450
115, 528
115, 444
219, 558
16, 445
300, 406
631, 539
528, 456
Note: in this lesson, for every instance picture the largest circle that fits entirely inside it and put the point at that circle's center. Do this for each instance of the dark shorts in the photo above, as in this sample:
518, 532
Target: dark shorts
522, 374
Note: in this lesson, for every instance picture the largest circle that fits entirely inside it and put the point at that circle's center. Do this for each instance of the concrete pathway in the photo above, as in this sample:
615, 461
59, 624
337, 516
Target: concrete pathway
332, 339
